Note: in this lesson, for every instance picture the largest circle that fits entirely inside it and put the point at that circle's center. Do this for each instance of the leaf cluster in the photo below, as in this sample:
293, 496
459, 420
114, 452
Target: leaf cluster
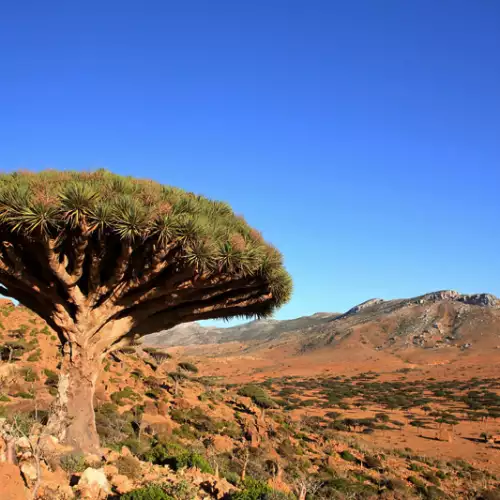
209, 236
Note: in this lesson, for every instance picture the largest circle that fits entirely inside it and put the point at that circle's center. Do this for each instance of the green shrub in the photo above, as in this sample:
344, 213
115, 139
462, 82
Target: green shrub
129, 466
4, 398
372, 462
431, 492
34, 357
415, 467
185, 431
73, 462
126, 393
177, 457
441, 474
253, 490
52, 378
432, 478
416, 481
152, 492
197, 417
30, 375
258, 395
232, 477
348, 456
24, 395
396, 484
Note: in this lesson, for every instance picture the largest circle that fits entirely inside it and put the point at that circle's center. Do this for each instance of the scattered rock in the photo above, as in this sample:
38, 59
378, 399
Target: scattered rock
125, 452
218, 488
23, 443
122, 483
29, 472
111, 455
55, 492
110, 470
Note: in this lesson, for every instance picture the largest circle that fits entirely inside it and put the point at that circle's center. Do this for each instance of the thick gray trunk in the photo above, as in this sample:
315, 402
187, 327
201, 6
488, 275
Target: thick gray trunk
73, 418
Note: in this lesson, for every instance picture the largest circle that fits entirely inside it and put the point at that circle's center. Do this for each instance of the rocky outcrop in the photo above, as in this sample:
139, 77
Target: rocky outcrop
364, 305
480, 299
476, 299
93, 484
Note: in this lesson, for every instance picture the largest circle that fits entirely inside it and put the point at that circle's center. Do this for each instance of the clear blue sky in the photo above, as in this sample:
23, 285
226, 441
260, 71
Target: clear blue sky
361, 137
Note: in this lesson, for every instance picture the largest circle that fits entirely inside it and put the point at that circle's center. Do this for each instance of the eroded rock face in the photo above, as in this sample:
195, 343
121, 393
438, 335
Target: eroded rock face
480, 299
440, 295
475, 299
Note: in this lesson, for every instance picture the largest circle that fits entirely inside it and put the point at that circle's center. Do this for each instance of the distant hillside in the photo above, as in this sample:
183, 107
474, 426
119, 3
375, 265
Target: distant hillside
437, 320
261, 330
436, 329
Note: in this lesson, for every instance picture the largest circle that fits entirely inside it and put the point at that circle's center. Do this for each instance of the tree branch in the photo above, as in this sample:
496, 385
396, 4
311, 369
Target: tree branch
160, 261
166, 319
117, 275
80, 246
61, 273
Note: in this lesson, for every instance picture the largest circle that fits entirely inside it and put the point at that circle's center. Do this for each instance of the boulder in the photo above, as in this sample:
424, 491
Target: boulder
29, 472
93, 484
217, 488
54, 485
23, 443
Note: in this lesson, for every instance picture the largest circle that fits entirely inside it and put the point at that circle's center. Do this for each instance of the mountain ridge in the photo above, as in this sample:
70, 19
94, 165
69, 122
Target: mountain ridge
269, 330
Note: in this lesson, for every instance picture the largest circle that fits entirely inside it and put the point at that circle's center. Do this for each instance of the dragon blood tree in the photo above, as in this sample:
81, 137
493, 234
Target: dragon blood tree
105, 259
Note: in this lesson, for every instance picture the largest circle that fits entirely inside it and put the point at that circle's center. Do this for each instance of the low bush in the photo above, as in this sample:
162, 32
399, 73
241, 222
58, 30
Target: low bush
372, 462
118, 397
253, 490
73, 462
24, 395
152, 492
52, 378
177, 457
129, 466
348, 456
29, 375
